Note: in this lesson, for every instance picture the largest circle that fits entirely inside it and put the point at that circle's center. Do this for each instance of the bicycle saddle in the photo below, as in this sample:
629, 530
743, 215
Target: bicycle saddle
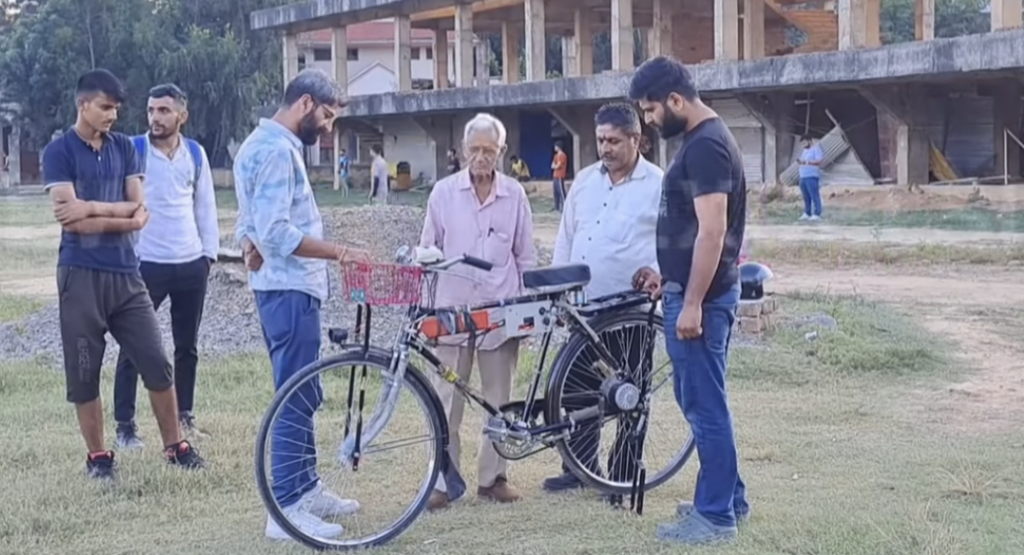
557, 278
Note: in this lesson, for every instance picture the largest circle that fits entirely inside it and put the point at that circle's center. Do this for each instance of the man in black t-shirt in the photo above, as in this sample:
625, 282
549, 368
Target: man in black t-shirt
700, 230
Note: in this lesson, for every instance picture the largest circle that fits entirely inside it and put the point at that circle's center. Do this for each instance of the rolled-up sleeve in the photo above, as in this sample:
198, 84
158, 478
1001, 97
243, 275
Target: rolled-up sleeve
271, 205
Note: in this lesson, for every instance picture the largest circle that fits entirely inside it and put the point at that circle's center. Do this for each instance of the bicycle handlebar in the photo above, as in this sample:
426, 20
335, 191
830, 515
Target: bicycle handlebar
477, 263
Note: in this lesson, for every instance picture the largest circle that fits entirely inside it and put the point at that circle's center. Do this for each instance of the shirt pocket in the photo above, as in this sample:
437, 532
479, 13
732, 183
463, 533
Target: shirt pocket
497, 248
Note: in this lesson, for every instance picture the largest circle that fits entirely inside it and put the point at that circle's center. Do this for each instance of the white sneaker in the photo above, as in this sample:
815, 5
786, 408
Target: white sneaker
804, 217
325, 504
308, 523
814, 218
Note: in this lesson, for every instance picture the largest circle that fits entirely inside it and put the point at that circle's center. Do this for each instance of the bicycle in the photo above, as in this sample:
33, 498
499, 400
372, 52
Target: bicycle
518, 429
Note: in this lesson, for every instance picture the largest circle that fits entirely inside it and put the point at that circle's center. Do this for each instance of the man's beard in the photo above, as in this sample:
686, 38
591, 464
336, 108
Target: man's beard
309, 131
672, 125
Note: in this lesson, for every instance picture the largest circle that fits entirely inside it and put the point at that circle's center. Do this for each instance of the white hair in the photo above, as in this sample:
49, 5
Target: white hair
485, 123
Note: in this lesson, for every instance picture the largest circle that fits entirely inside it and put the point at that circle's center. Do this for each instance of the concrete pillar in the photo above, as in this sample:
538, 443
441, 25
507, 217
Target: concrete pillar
438, 128
773, 111
622, 35
727, 36
570, 67
464, 59
583, 37
905, 107
1006, 116
753, 29
1006, 14
579, 122
482, 54
441, 59
290, 57
536, 40
511, 42
339, 57
403, 53
859, 23
660, 41
924, 19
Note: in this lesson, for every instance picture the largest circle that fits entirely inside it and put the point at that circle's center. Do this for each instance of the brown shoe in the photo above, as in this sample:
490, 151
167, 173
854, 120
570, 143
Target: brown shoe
438, 500
501, 491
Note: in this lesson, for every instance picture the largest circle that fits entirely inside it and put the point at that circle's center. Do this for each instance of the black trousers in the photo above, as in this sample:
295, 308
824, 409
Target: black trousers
185, 285
631, 347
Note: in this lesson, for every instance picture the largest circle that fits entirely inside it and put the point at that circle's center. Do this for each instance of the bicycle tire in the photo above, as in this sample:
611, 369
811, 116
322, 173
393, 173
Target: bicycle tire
577, 342
416, 383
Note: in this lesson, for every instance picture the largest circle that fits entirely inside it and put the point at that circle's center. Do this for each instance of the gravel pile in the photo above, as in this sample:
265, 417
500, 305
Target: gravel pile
230, 323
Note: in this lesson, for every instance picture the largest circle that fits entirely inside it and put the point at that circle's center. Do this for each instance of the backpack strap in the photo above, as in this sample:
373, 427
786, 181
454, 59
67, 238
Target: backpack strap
196, 152
142, 147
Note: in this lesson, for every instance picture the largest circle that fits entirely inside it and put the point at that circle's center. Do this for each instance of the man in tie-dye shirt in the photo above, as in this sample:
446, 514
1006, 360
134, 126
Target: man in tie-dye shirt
281, 232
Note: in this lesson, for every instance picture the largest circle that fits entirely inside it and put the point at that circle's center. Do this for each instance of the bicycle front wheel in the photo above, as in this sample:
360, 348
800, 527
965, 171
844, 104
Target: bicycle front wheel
308, 484
599, 451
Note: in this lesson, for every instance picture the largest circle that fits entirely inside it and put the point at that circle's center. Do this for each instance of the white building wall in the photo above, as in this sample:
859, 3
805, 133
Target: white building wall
404, 141
423, 68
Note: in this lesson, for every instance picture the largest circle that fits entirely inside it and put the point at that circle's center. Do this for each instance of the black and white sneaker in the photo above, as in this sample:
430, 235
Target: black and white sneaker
128, 437
100, 466
185, 456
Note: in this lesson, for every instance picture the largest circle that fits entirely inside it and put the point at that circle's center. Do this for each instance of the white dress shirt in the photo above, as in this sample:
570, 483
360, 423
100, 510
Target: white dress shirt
611, 227
182, 223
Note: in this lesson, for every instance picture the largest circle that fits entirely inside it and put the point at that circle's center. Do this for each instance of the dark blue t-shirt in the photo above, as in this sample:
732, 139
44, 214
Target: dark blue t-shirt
98, 175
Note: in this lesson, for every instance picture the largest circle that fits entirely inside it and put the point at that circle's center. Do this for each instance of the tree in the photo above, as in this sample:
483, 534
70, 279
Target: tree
953, 18
203, 46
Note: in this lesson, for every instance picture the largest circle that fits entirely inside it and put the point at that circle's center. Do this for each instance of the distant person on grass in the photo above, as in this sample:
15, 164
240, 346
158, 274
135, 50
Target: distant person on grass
379, 176
176, 250
94, 178
281, 233
344, 169
810, 178
700, 232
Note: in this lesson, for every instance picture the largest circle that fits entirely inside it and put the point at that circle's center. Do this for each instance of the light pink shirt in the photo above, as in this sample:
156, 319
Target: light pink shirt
499, 230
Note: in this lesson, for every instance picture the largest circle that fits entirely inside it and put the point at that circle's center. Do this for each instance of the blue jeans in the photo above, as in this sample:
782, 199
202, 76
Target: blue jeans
810, 189
558, 189
699, 369
291, 329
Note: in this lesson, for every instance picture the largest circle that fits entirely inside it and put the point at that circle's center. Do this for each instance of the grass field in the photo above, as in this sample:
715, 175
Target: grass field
838, 458
965, 219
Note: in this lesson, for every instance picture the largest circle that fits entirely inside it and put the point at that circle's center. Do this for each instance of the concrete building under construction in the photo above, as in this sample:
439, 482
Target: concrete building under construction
910, 113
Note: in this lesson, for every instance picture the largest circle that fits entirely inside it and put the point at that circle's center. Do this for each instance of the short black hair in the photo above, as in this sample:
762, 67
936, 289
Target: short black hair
513, 158
658, 78
806, 137
620, 115
100, 81
169, 90
377, 149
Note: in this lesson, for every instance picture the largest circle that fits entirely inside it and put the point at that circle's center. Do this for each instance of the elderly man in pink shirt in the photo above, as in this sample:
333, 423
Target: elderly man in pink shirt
480, 212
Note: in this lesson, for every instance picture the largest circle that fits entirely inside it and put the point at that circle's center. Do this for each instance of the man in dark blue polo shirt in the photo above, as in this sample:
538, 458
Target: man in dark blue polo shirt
699, 234
94, 179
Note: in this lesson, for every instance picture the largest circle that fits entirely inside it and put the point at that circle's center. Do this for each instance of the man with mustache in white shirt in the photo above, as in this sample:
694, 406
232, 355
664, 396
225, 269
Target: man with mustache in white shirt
609, 223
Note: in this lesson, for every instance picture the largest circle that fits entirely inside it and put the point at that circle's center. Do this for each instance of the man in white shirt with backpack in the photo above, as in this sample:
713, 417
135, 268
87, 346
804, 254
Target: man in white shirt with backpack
176, 249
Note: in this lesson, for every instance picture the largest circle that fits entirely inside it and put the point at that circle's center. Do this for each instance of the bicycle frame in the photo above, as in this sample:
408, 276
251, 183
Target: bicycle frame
410, 340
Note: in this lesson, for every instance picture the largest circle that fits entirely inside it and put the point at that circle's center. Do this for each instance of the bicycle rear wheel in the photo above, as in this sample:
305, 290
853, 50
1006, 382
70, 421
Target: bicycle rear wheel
575, 383
283, 459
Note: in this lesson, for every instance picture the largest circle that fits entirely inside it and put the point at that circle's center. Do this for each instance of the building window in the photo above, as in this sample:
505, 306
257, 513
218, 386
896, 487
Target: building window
430, 53
414, 53
302, 62
353, 54
321, 54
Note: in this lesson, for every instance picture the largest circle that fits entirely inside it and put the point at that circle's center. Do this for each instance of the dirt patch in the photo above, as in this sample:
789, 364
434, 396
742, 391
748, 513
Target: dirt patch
30, 287
894, 199
951, 303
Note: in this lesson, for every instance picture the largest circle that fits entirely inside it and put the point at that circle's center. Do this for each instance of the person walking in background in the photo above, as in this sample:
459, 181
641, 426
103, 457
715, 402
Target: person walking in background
454, 164
94, 178
482, 213
810, 178
520, 171
344, 167
175, 249
700, 233
559, 165
379, 176
281, 231
609, 223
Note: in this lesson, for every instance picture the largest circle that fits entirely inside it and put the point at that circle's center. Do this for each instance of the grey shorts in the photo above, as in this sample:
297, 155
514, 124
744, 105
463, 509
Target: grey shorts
93, 302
